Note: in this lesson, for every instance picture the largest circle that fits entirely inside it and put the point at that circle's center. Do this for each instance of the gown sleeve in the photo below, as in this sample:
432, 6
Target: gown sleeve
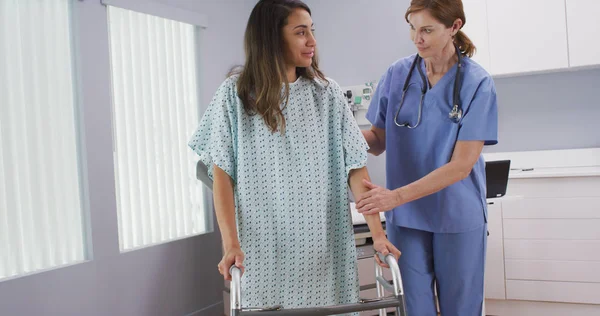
214, 138
353, 141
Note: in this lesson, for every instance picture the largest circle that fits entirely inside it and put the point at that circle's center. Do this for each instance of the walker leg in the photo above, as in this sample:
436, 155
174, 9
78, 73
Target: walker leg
380, 289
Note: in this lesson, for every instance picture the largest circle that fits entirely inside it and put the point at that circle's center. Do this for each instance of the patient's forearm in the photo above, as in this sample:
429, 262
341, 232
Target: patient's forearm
358, 188
225, 208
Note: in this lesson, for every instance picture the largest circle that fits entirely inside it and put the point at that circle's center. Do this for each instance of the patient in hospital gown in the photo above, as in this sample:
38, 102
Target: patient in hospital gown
290, 191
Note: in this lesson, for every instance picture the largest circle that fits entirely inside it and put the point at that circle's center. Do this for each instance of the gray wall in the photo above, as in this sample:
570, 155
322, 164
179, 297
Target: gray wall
177, 278
223, 40
358, 40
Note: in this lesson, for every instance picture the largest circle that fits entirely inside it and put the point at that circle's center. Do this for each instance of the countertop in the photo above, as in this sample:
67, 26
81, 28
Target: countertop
551, 163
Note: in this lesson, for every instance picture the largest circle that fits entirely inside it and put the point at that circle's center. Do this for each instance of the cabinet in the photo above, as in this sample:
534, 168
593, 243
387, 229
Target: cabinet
552, 242
477, 30
527, 35
523, 36
494, 261
583, 28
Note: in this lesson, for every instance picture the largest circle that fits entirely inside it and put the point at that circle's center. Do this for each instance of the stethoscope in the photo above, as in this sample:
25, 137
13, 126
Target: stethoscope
456, 112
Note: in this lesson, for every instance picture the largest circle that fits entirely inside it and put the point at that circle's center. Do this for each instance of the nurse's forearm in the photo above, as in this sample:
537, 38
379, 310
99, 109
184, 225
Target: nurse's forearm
358, 188
431, 183
464, 157
225, 208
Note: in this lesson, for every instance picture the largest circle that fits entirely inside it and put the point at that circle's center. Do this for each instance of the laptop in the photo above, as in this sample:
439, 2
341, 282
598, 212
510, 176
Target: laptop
496, 174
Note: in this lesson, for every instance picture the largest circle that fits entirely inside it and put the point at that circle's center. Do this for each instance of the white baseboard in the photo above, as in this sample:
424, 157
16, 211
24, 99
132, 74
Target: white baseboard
528, 308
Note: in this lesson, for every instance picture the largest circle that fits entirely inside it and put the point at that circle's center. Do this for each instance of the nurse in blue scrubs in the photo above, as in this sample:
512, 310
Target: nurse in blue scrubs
431, 114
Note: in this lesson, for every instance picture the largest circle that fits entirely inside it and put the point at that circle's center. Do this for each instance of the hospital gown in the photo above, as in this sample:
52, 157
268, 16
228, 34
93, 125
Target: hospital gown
290, 192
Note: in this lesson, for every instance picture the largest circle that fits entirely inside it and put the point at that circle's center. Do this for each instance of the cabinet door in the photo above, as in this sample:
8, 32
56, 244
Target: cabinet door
494, 261
476, 28
583, 28
527, 35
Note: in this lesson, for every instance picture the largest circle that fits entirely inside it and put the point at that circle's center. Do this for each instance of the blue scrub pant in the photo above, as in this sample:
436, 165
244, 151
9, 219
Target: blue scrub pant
453, 261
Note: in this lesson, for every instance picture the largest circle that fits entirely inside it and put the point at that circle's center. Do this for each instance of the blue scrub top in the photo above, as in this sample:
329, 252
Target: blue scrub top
413, 153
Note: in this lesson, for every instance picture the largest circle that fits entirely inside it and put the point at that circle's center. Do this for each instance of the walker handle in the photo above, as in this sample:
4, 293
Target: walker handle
396, 287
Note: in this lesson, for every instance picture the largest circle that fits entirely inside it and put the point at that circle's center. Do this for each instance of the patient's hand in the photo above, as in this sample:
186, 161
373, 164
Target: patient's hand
233, 255
385, 247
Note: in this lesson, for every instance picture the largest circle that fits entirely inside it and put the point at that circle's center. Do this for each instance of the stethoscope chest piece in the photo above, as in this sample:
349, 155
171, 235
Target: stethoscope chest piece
455, 114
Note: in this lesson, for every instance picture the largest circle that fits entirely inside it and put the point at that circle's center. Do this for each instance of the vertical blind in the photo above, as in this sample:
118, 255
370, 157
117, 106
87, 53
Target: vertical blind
41, 222
155, 104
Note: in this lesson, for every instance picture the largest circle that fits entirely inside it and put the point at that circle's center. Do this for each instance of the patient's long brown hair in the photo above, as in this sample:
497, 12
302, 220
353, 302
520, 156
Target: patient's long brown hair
259, 84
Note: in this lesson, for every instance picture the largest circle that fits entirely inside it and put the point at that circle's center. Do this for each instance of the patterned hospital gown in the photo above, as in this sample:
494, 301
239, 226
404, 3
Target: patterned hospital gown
290, 192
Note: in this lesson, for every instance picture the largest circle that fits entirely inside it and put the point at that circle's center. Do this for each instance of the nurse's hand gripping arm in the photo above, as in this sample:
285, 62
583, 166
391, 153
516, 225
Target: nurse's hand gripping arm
225, 212
464, 157
380, 241
375, 138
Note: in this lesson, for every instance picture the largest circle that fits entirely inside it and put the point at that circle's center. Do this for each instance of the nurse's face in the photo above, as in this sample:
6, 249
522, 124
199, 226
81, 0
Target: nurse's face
299, 39
430, 36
